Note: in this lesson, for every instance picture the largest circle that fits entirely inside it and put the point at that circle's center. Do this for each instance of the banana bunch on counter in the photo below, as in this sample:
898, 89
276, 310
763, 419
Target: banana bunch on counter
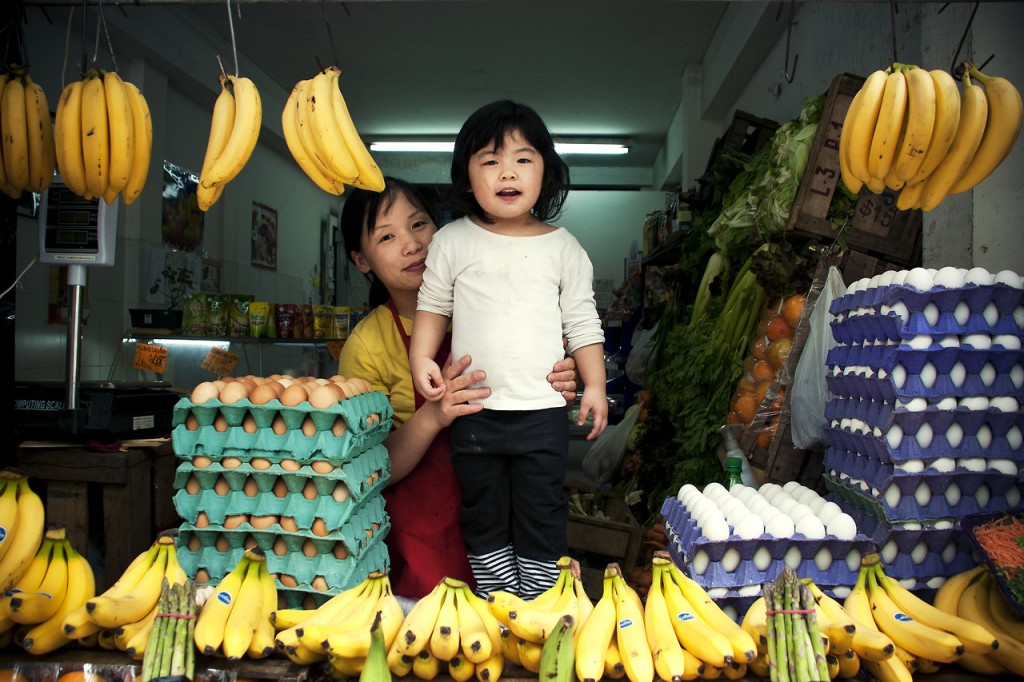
103, 137
320, 134
234, 130
912, 131
27, 150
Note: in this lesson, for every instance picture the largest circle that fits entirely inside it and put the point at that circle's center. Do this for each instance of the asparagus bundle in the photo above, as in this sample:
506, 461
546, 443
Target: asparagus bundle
795, 649
170, 651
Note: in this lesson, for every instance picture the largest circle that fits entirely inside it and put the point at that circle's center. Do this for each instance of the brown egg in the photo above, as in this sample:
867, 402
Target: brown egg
219, 383
221, 543
233, 392
193, 544
309, 548
308, 427
319, 528
280, 547
249, 424
220, 423
230, 462
262, 522
336, 379
232, 521
250, 488
221, 486
201, 461
348, 389
340, 427
288, 580
204, 392
279, 426
373, 420
290, 464
309, 490
249, 542
340, 492
202, 520
288, 524
191, 423
320, 381
202, 576
309, 603
322, 467
320, 584
263, 394
294, 395
340, 551
324, 397
192, 486
353, 387
363, 384
249, 382
280, 488
260, 463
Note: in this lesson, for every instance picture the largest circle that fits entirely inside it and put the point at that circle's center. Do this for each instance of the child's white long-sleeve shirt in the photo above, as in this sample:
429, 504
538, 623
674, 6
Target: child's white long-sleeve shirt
511, 300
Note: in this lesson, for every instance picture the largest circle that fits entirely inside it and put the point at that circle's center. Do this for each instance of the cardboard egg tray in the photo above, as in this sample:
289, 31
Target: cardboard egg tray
687, 546
367, 416
859, 466
913, 360
878, 447
884, 415
848, 329
976, 296
862, 385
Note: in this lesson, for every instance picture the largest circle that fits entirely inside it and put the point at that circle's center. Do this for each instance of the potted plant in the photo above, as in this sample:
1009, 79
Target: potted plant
175, 283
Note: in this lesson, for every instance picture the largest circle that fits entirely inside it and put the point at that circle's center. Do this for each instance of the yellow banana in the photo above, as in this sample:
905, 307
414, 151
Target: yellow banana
917, 133
529, 654
346, 667
7, 189
491, 625
981, 664
306, 161
853, 183
347, 641
947, 120
490, 670
584, 607
669, 661
326, 127
29, 608
910, 197
947, 597
262, 643
25, 536
284, 619
8, 501
755, 622
245, 131
126, 633
1005, 111
220, 130
975, 638
1003, 616
889, 126
444, 638
369, 175
360, 614
908, 659
426, 665
210, 624
113, 611
49, 635
95, 136
245, 613
68, 138
501, 604
461, 670
694, 633
969, 132
174, 573
860, 121
631, 634
594, 636
870, 643
335, 607
304, 129
890, 669
476, 639
840, 626
534, 623
40, 137
419, 623
613, 668
121, 130
759, 666
14, 127
849, 664
743, 646
142, 126
30, 581
552, 594
974, 607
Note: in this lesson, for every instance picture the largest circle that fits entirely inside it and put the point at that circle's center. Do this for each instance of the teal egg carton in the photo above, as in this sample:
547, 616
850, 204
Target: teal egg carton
341, 579
365, 476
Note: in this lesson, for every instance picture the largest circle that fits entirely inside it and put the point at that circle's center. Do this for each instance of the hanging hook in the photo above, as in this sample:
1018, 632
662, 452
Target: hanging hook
790, 75
234, 46
954, 67
330, 34
893, 11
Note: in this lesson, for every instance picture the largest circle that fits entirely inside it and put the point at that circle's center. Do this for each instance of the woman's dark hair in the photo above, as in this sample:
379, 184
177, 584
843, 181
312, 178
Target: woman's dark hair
360, 213
487, 127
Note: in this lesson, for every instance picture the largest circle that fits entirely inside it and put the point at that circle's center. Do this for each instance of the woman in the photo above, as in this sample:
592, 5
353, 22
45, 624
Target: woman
386, 236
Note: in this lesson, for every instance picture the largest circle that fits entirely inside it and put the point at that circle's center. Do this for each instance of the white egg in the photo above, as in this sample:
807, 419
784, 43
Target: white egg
740, 492
1004, 403
931, 314
917, 404
731, 559
889, 552
700, 562
909, 583
946, 403
816, 504
900, 277
923, 494
1013, 437
949, 341
975, 403
957, 374
979, 276
952, 494
1009, 278
793, 558
790, 486
910, 466
1006, 341
787, 505
843, 591
949, 553
749, 528
924, 435
899, 376
893, 495
936, 582
1018, 316
950, 277
962, 313
928, 375
810, 527
768, 513
920, 279
982, 496
943, 524
885, 279
823, 559
715, 530
919, 553
842, 526
714, 487
1012, 496
900, 310
684, 490
943, 464
780, 527
894, 436
973, 463
762, 558
829, 511
979, 341
1017, 375
984, 436
873, 282
921, 342
987, 374
745, 591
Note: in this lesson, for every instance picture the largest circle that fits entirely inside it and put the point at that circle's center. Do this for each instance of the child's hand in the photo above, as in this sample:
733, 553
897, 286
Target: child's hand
427, 379
594, 404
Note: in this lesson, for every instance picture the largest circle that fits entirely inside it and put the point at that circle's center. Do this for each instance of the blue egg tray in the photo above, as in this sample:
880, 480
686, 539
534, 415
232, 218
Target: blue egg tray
884, 415
977, 297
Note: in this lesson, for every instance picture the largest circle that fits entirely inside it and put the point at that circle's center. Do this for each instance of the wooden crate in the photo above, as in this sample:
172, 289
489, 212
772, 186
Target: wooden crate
746, 132
877, 226
856, 265
616, 538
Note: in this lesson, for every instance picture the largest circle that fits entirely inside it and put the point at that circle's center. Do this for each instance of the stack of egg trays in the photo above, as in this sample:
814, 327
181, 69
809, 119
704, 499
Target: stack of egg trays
368, 418
799, 552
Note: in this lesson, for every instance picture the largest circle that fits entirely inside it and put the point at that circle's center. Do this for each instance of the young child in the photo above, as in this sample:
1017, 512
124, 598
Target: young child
513, 287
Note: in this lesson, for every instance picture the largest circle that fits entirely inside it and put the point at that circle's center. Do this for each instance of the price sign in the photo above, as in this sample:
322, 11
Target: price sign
150, 358
220, 362
335, 348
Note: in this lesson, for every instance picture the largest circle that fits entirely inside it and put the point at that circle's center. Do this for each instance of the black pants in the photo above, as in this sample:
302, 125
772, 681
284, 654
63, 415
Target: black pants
512, 465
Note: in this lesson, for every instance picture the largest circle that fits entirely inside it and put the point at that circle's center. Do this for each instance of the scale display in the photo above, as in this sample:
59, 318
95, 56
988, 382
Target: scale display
74, 230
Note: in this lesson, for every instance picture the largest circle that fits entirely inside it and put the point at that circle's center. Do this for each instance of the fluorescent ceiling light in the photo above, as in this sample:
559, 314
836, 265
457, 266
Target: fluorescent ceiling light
447, 147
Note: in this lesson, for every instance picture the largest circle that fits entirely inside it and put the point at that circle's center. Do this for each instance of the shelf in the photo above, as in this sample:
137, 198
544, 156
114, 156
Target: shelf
668, 252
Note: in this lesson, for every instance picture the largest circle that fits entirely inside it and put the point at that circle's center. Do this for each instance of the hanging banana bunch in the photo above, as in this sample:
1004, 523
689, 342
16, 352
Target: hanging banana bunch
323, 139
27, 148
234, 130
912, 131
103, 137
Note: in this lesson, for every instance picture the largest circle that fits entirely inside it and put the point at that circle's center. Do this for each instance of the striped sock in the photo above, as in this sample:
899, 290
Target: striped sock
536, 576
495, 571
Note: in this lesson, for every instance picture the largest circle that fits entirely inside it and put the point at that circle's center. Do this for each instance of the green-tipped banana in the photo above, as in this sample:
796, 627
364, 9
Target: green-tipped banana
375, 669
558, 657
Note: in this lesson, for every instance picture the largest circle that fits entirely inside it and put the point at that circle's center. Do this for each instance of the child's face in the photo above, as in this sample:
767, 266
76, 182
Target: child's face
396, 250
507, 181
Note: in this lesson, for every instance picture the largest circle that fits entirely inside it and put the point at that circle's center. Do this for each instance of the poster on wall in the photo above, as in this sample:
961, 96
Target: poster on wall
182, 226
263, 238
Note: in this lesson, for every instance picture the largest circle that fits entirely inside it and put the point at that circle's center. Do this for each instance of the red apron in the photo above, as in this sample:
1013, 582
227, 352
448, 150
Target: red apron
425, 541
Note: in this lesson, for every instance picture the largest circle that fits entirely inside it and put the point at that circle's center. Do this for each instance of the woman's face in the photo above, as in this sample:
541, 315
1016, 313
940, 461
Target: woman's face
396, 250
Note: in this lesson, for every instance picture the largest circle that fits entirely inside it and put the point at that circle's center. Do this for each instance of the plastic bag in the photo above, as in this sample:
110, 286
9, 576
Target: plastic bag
605, 455
809, 392
641, 358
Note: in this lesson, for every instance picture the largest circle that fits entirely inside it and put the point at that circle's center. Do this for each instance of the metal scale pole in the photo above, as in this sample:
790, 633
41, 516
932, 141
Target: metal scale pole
76, 284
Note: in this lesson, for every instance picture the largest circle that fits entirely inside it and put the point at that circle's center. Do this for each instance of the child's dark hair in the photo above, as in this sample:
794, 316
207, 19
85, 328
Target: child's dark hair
360, 213
487, 127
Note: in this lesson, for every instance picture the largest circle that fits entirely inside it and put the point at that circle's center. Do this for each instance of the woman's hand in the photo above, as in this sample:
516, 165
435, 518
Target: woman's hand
563, 379
455, 401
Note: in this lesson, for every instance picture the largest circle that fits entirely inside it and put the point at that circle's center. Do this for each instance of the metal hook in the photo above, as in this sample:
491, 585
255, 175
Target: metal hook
330, 34
893, 10
790, 75
953, 67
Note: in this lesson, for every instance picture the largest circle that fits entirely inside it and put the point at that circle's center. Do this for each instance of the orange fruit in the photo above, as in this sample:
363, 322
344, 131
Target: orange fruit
778, 328
762, 371
758, 347
792, 307
762, 388
764, 438
746, 385
778, 351
746, 408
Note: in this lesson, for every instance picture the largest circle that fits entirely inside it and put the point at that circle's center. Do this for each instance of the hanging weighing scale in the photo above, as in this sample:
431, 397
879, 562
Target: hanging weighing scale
80, 233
